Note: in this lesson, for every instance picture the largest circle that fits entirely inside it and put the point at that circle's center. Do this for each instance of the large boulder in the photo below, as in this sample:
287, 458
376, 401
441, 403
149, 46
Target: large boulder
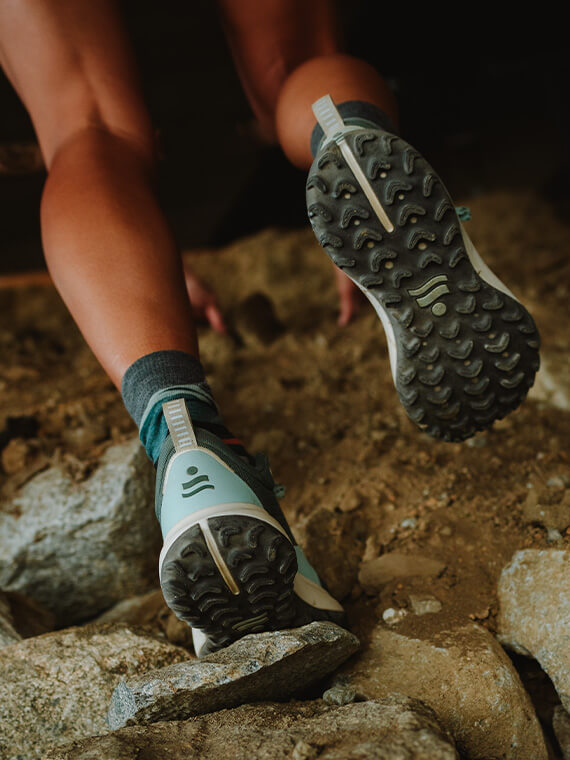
534, 613
465, 676
389, 729
80, 547
57, 687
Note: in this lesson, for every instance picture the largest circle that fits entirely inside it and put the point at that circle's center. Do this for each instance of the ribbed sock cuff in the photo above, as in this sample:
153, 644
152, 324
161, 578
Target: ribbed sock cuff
356, 113
155, 372
160, 377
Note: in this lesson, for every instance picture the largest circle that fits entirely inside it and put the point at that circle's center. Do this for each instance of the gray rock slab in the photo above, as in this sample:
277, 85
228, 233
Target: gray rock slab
561, 726
395, 728
534, 612
57, 687
8, 634
80, 547
464, 676
261, 666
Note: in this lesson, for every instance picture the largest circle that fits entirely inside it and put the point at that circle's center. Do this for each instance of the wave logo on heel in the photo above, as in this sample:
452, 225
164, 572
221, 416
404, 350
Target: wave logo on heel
440, 288
254, 622
203, 479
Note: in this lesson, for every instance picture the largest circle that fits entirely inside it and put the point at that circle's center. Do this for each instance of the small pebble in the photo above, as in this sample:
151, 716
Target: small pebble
304, 751
425, 604
553, 536
409, 522
391, 616
339, 695
477, 443
446, 530
555, 482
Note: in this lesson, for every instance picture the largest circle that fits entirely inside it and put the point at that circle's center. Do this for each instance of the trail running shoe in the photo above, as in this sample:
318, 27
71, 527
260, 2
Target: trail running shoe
463, 349
229, 565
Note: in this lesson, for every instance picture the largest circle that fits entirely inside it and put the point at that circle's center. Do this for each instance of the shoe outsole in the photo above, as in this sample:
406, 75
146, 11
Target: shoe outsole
467, 353
263, 565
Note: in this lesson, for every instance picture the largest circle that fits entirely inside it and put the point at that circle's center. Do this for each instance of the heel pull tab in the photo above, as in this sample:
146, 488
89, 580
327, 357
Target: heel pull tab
334, 127
327, 115
179, 425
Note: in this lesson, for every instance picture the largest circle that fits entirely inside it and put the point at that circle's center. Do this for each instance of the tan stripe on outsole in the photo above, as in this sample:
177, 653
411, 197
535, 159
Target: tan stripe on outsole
217, 557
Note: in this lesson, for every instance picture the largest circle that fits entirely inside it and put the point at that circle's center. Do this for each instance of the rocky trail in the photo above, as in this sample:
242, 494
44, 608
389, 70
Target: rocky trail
452, 560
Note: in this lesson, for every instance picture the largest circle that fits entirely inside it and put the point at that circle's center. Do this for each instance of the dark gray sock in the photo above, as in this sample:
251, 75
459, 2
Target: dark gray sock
152, 373
357, 113
164, 376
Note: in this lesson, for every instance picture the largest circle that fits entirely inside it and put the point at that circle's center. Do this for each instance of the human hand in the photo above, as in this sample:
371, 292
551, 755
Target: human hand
350, 298
204, 301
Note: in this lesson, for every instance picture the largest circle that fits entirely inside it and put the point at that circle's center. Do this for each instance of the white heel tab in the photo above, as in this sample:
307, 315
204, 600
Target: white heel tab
179, 425
327, 115
334, 127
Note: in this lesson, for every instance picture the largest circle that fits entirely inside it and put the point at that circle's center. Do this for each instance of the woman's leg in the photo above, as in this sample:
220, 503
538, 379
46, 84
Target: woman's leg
288, 54
386, 220
113, 258
107, 244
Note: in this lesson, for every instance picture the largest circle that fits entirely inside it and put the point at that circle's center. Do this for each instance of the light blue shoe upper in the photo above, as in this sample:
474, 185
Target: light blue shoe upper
196, 480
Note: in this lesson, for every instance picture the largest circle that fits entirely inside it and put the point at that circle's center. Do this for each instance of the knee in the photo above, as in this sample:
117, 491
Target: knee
80, 112
339, 75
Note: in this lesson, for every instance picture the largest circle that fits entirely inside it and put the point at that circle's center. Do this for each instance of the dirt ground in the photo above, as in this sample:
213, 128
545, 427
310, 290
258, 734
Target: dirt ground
361, 479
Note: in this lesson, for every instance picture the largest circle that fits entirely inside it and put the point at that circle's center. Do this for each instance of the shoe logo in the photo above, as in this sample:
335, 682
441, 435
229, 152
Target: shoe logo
254, 622
194, 482
439, 289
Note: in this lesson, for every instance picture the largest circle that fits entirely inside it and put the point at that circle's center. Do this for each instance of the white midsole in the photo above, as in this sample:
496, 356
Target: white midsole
478, 265
307, 590
219, 510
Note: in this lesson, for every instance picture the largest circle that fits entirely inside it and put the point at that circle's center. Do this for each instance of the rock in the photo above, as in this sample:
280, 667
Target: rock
552, 382
8, 634
57, 687
534, 612
377, 572
464, 676
549, 507
424, 604
272, 665
389, 729
339, 695
78, 548
558, 481
561, 726
392, 616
